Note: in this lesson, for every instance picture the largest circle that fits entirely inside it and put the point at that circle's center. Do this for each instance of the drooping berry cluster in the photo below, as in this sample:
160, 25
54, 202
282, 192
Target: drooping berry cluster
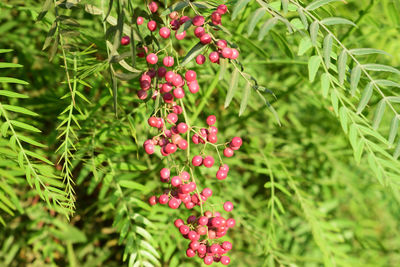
174, 132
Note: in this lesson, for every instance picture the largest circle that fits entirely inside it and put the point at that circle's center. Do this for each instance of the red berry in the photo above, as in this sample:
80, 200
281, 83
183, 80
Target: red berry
153, 200
208, 260
205, 38
198, 21
177, 80
180, 36
195, 139
174, 203
170, 148
211, 120
125, 40
183, 19
214, 57
193, 236
190, 76
216, 17
185, 176
197, 160
179, 93
184, 229
224, 168
207, 192
191, 219
203, 220
152, 25
227, 52
172, 118
153, 7
164, 32
178, 223
149, 148
182, 127
152, 58
222, 9
161, 72
235, 54
139, 20
228, 206
199, 31
183, 144
165, 173
228, 152
236, 141
173, 15
168, 61
189, 205
230, 222
200, 59
221, 175
142, 94
225, 260
169, 76
214, 248
163, 199
152, 121
227, 245
190, 253
212, 138
208, 161
176, 181
194, 87
221, 44
194, 245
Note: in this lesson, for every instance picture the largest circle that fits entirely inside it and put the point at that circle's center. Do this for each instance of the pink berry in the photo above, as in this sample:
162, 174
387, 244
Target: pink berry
208, 260
228, 152
197, 160
153, 7
183, 144
176, 181
153, 200
185, 176
224, 168
190, 76
207, 192
152, 58
225, 260
191, 219
161, 71
174, 203
222, 9
169, 76
139, 20
193, 236
222, 44
214, 57
227, 245
216, 17
194, 245
165, 173
152, 25
199, 31
170, 148
183, 19
200, 59
184, 229
212, 138
236, 141
163, 199
180, 36
194, 87
221, 175
168, 61
208, 161
228, 206
211, 120
149, 148
235, 54
178, 223
230, 222
227, 52
164, 32
198, 21
203, 220
172, 118
190, 253
125, 40
179, 93
205, 38
142, 94
182, 127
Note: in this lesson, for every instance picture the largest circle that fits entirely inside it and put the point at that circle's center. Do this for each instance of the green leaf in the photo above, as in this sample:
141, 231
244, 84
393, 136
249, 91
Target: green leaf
25, 126
185, 26
314, 28
238, 6
335, 102
39, 157
46, 6
380, 110
365, 97
20, 110
394, 126
12, 94
255, 18
303, 18
342, 60
223, 62
358, 151
245, 98
379, 67
366, 51
343, 118
196, 50
313, 65
327, 49
353, 135
285, 4
12, 80
9, 65
30, 141
336, 20
131, 185
266, 27
176, 7
396, 153
354, 79
304, 46
387, 83
232, 87
325, 84
318, 3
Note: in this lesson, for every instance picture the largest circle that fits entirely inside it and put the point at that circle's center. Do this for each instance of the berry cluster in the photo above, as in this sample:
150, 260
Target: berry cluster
174, 132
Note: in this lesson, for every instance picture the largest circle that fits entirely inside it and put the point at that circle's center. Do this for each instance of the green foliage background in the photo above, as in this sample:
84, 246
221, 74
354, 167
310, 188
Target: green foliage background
321, 189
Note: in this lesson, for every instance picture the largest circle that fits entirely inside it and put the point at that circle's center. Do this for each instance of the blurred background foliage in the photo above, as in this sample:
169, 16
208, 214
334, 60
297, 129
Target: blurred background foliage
301, 199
